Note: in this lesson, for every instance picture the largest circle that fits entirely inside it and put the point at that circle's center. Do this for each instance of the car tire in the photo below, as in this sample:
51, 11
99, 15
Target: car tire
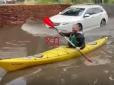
103, 23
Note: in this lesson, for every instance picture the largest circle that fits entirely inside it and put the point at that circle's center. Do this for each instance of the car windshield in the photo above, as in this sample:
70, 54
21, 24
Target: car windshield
73, 11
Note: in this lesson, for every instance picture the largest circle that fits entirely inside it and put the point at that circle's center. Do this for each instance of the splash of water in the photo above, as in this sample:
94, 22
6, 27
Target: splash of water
98, 61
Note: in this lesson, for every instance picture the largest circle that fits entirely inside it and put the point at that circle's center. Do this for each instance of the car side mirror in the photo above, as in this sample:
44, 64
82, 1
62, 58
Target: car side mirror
87, 15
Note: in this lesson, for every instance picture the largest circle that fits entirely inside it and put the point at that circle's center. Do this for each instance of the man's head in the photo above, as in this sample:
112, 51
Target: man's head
75, 28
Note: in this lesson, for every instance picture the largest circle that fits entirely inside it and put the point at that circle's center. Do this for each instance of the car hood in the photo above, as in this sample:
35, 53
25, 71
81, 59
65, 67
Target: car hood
63, 18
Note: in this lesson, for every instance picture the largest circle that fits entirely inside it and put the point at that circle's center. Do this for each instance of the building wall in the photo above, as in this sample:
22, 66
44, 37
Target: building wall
17, 14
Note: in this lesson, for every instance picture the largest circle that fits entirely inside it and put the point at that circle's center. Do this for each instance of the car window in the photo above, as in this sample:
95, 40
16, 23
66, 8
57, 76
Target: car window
92, 11
97, 10
73, 11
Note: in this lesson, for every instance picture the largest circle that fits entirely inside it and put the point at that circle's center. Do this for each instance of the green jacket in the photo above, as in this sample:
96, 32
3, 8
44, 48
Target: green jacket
77, 39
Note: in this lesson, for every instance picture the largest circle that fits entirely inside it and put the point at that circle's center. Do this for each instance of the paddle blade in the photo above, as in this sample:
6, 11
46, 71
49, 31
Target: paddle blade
48, 22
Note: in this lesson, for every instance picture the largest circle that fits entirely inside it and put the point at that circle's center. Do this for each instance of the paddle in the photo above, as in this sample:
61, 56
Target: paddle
48, 22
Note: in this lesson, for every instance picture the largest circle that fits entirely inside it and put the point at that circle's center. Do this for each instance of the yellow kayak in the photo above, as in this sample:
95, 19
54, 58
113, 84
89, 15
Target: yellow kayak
58, 54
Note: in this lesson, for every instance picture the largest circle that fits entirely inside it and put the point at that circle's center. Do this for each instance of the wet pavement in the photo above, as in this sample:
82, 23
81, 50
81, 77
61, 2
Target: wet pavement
29, 40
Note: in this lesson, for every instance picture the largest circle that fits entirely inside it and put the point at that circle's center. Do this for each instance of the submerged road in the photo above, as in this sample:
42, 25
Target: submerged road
30, 40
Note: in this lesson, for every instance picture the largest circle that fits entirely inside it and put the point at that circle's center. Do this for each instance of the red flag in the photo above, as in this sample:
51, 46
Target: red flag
48, 22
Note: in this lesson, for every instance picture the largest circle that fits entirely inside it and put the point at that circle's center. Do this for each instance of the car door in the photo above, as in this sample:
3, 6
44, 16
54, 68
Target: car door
89, 21
97, 16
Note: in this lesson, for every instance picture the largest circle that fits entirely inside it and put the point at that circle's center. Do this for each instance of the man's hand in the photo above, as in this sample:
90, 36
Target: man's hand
78, 48
60, 32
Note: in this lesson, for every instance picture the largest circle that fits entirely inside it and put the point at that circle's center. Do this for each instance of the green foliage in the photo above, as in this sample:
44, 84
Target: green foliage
46, 1
63, 1
111, 1
82, 1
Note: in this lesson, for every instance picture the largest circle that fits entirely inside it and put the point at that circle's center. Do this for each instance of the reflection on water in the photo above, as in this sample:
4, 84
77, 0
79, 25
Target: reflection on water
18, 48
17, 81
72, 71
7, 52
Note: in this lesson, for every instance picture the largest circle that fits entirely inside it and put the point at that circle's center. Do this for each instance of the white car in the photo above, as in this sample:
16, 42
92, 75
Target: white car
86, 16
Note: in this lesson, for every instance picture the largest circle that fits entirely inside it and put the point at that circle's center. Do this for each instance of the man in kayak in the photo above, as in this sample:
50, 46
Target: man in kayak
76, 37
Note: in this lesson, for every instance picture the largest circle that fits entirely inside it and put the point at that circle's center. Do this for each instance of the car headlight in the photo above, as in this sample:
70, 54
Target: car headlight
56, 24
65, 23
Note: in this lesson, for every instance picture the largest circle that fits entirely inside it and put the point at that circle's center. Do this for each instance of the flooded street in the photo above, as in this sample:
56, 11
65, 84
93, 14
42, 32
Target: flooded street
28, 40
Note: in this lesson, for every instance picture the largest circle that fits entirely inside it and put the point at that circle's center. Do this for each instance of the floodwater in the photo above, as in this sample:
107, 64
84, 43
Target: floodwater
17, 42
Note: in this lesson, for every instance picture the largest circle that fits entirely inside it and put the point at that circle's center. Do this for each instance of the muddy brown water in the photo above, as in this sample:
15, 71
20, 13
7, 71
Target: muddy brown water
17, 43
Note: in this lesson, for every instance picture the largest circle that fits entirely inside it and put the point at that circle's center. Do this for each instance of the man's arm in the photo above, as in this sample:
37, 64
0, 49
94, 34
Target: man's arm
65, 34
82, 41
